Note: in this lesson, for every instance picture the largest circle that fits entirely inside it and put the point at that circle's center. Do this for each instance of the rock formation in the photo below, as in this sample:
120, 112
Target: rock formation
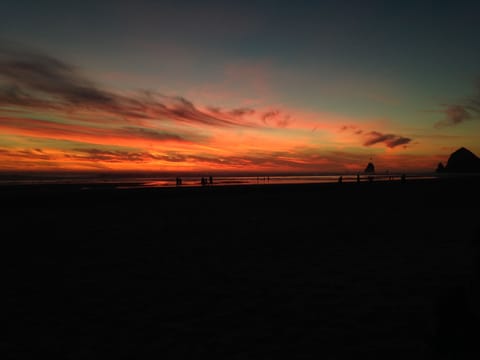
370, 169
462, 161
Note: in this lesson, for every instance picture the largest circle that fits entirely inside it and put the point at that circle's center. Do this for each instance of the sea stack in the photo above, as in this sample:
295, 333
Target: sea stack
462, 161
370, 169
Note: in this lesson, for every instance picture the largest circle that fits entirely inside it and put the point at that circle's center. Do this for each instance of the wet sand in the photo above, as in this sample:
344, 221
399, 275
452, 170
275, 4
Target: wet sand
241, 272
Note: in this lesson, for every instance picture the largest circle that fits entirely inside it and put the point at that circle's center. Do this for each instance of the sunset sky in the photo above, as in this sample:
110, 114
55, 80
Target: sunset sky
241, 86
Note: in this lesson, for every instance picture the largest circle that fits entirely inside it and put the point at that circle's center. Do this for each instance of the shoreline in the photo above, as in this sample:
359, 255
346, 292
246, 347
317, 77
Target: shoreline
451, 191
170, 181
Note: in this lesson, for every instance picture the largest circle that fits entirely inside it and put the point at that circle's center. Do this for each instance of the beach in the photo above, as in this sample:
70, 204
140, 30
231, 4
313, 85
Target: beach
262, 271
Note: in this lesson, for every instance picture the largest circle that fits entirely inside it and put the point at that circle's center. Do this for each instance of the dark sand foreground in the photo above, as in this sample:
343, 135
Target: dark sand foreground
331, 271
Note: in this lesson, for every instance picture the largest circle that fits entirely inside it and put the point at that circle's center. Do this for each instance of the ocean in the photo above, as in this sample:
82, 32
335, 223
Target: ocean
123, 181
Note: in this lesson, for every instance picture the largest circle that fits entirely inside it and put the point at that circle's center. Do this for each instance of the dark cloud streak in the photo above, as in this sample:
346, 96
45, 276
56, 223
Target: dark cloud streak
456, 114
144, 133
277, 117
112, 156
44, 74
29, 154
376, 137
42, 82
48, 129
390, 140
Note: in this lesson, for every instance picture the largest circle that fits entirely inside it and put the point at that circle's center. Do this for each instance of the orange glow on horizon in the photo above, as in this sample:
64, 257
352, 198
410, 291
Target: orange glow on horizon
244, 140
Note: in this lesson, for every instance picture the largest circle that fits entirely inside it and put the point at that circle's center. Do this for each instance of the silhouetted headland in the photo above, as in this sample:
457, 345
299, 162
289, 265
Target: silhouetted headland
461, 161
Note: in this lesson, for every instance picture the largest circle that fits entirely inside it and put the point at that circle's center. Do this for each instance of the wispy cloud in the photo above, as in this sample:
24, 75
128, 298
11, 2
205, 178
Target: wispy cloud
390, 140
114, 130
456, 114
270, 115
86, 134
30, 154
277, 117
353, 128
41, 82
299, 159
110, 156
375, 137
303, 159
36, 78
239, 112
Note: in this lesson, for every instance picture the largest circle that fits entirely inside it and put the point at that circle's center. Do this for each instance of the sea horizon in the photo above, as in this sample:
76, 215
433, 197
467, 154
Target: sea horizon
154, 180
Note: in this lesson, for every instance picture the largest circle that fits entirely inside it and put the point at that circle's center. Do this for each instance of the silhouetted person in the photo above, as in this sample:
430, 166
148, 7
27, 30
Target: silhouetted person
440, 168
403, 178
358, 177
340, 179
389, 176
210, 180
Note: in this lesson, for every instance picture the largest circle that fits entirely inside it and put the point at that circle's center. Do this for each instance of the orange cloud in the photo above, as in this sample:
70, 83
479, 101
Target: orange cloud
107, 130
125, 136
